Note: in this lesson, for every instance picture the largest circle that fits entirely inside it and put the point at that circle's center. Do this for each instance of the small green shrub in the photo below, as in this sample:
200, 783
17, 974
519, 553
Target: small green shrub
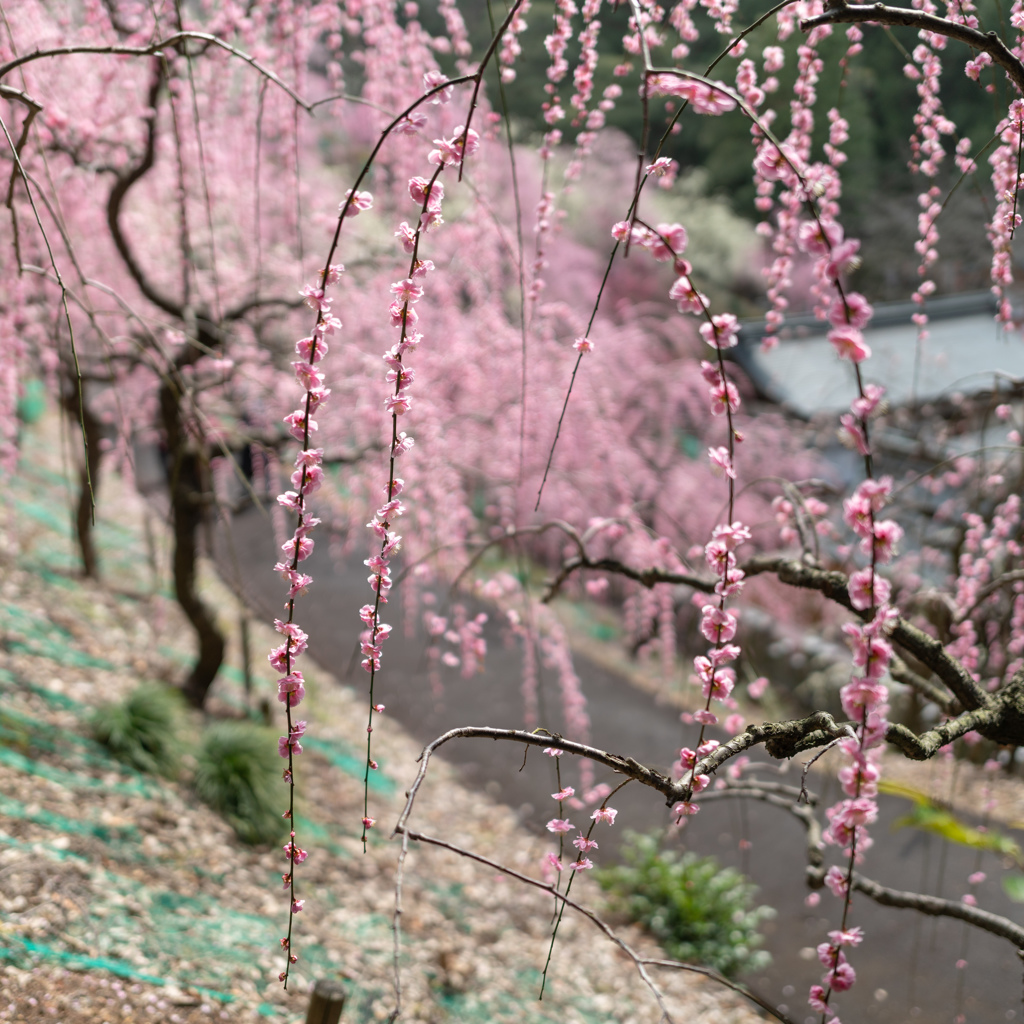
237, 775
143, 730
699, 912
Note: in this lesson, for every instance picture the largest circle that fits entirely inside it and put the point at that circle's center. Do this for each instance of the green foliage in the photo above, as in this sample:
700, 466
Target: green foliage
700, 913
1013, 886
237, 775
928, 816
143, 730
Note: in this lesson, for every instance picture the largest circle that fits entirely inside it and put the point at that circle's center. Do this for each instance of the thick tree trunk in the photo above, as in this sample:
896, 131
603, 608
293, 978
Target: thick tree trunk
188, 499
82, 419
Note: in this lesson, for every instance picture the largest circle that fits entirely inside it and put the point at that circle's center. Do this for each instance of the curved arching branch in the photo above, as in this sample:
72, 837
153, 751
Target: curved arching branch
781, 739
920, 748
156, 49
645, 577
902, 673
840, 13
125, 180
258, 302
541, 738
803, 812
640, 962
931, 905
985, 592
834, 585
934, 906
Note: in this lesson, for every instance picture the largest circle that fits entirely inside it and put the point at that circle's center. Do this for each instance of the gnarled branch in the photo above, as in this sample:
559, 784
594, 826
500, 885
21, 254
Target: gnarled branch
937, 907
902, 673
834, 585
927, 650
920, 748
781, 740
931, 905
841, 13
124, 182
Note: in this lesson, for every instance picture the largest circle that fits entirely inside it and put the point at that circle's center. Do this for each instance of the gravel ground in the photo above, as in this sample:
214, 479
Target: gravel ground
124, 899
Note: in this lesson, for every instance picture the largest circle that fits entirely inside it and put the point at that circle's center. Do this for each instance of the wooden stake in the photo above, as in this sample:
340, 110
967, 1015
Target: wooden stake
326, 1002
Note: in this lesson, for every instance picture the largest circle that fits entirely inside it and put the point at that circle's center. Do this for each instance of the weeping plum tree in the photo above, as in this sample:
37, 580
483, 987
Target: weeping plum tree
530, 403
160, 337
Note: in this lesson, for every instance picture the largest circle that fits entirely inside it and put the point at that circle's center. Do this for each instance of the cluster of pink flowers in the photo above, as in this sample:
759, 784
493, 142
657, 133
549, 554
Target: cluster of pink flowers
865, 701
713, 671
651, 14
464, 633
306, 480
542, 227
510, 47
428, 195
839, 975
718, 624
1006, 216
704, 99
815, 510
556, 44
983, 648
562, 826
927, 154
588, 121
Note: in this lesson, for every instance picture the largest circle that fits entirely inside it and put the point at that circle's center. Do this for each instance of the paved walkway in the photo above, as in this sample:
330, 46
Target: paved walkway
962, 353
907, 961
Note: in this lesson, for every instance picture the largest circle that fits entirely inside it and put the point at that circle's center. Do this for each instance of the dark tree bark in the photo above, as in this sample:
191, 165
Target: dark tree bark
189, 489
79, 413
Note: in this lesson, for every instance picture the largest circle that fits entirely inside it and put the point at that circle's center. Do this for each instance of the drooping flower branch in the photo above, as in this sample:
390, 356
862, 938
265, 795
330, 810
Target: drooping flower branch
428, 194
306, 479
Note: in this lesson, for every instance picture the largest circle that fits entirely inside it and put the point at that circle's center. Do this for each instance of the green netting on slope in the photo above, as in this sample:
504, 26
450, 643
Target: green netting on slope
37, 635
9, 681
144, 932
23, 735
53, 515
70, 780
339, 753
342, 756
113, 836
120, 548
157, 935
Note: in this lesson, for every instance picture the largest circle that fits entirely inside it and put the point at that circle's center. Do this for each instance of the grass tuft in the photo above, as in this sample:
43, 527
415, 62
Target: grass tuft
143, 730
237, 775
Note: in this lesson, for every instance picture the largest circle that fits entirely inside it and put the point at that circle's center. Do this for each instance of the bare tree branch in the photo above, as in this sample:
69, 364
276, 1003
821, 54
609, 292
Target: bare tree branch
125, 180
641, 963
781, 740
931, 905
936, 907
837, 12
646, 577
834, 585
156, 50
927, 650
541, 738
902, 673
920, 748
